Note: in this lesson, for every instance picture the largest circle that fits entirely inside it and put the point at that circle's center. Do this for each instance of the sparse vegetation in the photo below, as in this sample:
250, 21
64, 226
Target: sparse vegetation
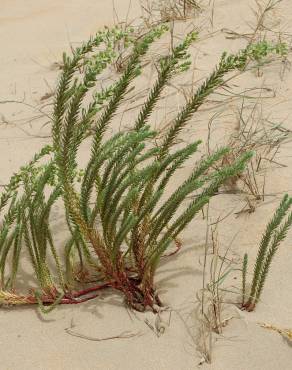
211, 298
256, 133
123, 206
119, 225
163, 11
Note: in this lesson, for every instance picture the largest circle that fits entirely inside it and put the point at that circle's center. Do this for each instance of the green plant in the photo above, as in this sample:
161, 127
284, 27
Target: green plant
119, 222
244, 273
275, 233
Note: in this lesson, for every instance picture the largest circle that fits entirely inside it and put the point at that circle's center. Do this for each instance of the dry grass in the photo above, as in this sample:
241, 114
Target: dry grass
264, 19
212, 301
162, 11
256, 132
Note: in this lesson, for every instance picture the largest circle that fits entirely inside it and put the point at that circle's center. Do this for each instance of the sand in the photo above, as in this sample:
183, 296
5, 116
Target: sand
33, 35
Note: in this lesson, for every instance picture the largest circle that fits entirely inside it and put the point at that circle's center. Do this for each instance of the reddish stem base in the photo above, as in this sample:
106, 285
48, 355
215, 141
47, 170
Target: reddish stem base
248, 306
130, 287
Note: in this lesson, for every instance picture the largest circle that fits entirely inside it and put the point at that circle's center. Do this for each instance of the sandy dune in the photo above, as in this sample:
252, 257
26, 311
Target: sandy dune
33, 36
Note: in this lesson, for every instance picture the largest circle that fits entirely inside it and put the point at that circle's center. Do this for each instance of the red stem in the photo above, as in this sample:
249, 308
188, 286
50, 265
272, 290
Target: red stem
80, 293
